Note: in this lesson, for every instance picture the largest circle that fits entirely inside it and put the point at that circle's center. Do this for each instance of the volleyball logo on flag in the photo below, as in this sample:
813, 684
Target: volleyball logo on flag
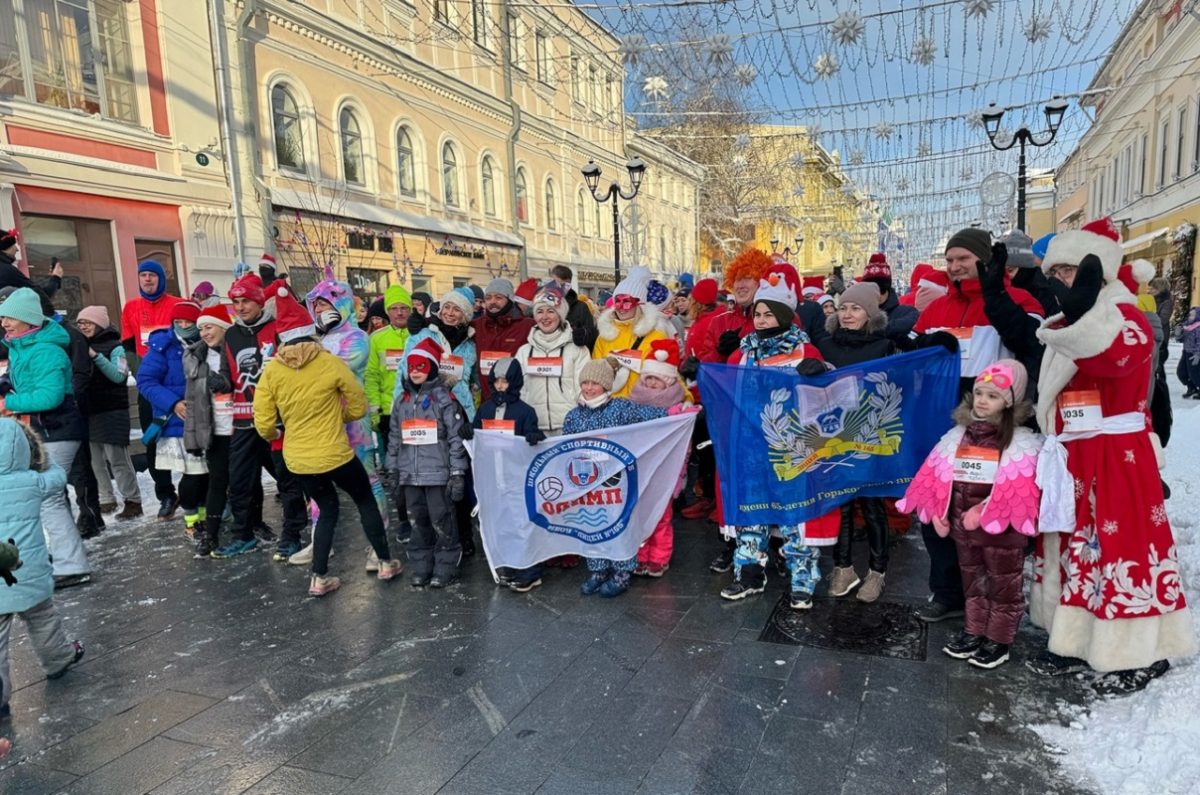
584, 488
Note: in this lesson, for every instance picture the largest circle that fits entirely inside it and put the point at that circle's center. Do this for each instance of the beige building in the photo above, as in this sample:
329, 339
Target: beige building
1140, 161
438, 143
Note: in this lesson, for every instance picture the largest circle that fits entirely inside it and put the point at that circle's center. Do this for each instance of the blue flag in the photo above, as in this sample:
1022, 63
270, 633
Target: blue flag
791, 448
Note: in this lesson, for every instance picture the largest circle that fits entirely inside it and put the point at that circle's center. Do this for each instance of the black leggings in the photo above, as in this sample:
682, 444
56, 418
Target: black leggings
706, 460
350, 477
193, 492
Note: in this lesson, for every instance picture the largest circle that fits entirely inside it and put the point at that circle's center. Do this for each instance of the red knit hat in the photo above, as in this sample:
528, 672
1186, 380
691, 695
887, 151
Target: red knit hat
292, 320
249, 287
662, 360
705, 292
525, 292
215, 316
877, 267
427, 350
185, 310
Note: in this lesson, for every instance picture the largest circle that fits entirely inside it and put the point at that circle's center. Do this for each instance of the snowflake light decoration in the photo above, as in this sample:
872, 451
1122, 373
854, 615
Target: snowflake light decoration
826, 65
883, 130
720, 49
857, 158
655, 88
796, 160
902, 184
975, 120
745, 74
978, 8
798, 191
738, 162
924, 50
966, 173
847, 28
1038, 28
814, 131
924, 149
633, 48
741, 141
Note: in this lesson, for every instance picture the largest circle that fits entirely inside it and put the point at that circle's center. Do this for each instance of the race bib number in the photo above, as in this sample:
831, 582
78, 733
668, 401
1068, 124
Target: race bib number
631, 360
545, 366
451, 367
976, 464
223, 406
1080, 411
508, 426
419, 432
783, 359
146, 332
963, 335
488, 359
392, 359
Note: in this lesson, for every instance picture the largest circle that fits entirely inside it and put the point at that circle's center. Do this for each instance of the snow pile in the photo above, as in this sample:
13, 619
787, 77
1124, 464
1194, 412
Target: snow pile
1147, 742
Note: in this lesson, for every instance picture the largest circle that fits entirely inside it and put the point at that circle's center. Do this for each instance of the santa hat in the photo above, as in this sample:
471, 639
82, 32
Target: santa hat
1136, 273
814, 281
267, 261
877, 267
1099, 237
249, 287
750, 264
215, 316
428, 349
662, 360
525, 292
705, 292
823, 298
8, 239
292, 321
811, 293
185, 310
635, 284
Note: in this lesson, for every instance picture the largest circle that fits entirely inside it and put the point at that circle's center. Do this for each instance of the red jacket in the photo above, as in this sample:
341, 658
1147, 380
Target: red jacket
961, 309
697, 335
737, 319
139, 317
506, 333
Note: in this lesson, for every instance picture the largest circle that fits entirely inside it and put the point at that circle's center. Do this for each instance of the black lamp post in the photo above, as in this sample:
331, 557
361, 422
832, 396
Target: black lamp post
591, 176
1054, 111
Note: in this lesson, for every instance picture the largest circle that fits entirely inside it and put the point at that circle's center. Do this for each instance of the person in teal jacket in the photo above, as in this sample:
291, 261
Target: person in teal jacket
387, 348
27, 477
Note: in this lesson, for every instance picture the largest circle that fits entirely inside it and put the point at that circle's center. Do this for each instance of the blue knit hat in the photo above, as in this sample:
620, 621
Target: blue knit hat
157, 269
24, 305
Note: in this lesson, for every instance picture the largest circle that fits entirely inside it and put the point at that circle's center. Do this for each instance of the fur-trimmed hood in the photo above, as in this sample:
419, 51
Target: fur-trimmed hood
1022, 411
875, 323
646, 319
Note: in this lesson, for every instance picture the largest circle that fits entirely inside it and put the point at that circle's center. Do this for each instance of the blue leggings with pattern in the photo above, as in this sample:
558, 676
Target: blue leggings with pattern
750, 556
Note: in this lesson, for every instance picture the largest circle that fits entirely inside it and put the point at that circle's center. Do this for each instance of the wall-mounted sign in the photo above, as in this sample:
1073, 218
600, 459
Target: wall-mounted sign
201, 159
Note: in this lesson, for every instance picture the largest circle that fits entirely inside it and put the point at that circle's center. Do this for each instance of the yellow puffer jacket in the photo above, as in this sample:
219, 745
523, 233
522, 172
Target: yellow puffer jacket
620, 335
313, 394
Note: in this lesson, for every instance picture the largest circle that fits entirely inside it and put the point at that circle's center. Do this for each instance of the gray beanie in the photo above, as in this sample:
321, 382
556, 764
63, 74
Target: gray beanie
600, 371
1020, 249
499, 287
866, 295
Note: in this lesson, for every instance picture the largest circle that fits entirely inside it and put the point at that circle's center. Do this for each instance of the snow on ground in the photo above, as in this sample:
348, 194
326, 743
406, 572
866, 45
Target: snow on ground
1148, 742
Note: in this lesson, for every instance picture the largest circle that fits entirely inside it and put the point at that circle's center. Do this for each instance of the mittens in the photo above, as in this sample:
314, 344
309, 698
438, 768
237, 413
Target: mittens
811, 367
728, 342
1081, 296
457, 488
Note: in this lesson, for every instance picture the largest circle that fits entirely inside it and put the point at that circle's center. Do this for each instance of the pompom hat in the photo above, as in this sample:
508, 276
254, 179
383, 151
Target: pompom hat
1100, 237
636, 283
600, 371
662, 360
877, 267
215, 316
292, 321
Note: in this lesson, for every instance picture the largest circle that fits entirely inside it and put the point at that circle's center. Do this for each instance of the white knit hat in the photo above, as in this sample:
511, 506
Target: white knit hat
635, 284
775, 288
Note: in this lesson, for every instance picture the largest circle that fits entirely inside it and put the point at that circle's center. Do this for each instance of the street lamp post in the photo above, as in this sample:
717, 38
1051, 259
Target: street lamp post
1054, 111
591, 176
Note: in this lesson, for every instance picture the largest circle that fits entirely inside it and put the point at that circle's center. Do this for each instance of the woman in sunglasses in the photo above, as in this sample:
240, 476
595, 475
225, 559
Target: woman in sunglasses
628, 328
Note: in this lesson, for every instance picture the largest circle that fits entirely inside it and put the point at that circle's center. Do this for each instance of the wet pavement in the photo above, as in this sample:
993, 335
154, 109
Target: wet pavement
225, 677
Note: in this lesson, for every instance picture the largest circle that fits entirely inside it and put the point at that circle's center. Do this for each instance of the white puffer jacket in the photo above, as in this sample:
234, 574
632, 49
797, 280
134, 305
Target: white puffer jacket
552, 397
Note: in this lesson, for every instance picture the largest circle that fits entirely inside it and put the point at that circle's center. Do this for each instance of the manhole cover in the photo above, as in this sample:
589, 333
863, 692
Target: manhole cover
883, 629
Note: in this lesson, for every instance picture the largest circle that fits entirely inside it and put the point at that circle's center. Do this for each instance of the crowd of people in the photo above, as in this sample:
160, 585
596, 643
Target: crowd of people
1056, 448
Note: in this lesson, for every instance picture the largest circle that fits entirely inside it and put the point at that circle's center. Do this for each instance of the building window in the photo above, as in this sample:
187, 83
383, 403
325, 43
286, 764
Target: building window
442, 10
551, 215
1141, 184
541, 52
488, 178
352, 147
481, 23
522, 191
406, 165
593, 88
75, 54
1195, 140
1180, 134
449, 176
581, 217
289, 135
1164, 134
576, 88
516, 41
599, 218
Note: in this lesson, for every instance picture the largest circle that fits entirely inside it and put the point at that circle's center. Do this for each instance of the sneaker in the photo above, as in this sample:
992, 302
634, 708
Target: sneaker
88, 529
697, 510
843, 581
615, 585
740, 590
70, 580
990, 655
1122, 683
204, 547
419, 580
190, 522
655, 570
872, 587
593, 582
319, 586
284, 551
963, 645
442, 581
167, 508
108, 507
264, 532
525, 586
227, 514
132, 510
388, 569
403, 532
1047, 663
372, 562
722, 563
78, 648
235, 547
800, 600
304, 557
936, 611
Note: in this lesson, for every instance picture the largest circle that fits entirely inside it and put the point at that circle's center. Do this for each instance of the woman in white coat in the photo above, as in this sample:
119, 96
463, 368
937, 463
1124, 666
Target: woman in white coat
551, 360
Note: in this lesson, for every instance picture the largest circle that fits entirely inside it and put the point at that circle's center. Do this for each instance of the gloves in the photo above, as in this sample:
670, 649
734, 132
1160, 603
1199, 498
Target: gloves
728, 342
811, 367
416, 323
690, 368
991, 273
1081, 296
943, 338
467, 432
973, 517
941, 526
457, 488
579, 336
535, 437
10, 561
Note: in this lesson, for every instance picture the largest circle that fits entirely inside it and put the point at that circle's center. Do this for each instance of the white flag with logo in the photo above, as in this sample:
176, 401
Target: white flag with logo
596, 494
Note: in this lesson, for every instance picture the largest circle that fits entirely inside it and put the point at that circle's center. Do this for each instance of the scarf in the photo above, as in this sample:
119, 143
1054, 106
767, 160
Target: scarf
755, 347
596, 402
658, 398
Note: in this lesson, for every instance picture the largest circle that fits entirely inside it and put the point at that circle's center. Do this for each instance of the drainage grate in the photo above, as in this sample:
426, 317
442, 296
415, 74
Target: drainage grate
882, 629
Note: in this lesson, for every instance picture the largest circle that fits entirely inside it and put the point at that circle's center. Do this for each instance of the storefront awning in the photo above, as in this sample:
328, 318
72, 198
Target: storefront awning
388, 217
1145, 241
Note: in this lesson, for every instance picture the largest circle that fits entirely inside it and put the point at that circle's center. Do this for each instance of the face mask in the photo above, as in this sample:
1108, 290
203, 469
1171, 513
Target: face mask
189, 334
329, 319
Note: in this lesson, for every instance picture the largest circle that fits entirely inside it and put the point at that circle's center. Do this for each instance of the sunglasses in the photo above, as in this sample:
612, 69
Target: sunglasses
625, 302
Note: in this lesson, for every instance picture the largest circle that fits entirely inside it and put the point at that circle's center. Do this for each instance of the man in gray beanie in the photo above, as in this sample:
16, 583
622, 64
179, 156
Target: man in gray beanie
500, 331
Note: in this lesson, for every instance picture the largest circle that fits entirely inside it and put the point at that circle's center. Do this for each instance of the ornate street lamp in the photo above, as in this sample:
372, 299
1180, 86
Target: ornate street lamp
591, 177
991, 116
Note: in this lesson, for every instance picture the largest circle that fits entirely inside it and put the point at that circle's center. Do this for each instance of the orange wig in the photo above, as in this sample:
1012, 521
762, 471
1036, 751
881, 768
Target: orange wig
750, 264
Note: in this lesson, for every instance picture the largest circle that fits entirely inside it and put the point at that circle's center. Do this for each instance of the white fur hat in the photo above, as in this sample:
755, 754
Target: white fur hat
1099, 237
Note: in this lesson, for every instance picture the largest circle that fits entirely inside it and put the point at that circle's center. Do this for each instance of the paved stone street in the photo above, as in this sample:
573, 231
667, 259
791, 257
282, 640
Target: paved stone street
224, 677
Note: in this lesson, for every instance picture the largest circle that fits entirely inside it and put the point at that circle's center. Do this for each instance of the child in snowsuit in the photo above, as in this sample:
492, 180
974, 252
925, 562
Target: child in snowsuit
979, 487
505, 411
598, 409
427, 454
659, 386
27, 476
